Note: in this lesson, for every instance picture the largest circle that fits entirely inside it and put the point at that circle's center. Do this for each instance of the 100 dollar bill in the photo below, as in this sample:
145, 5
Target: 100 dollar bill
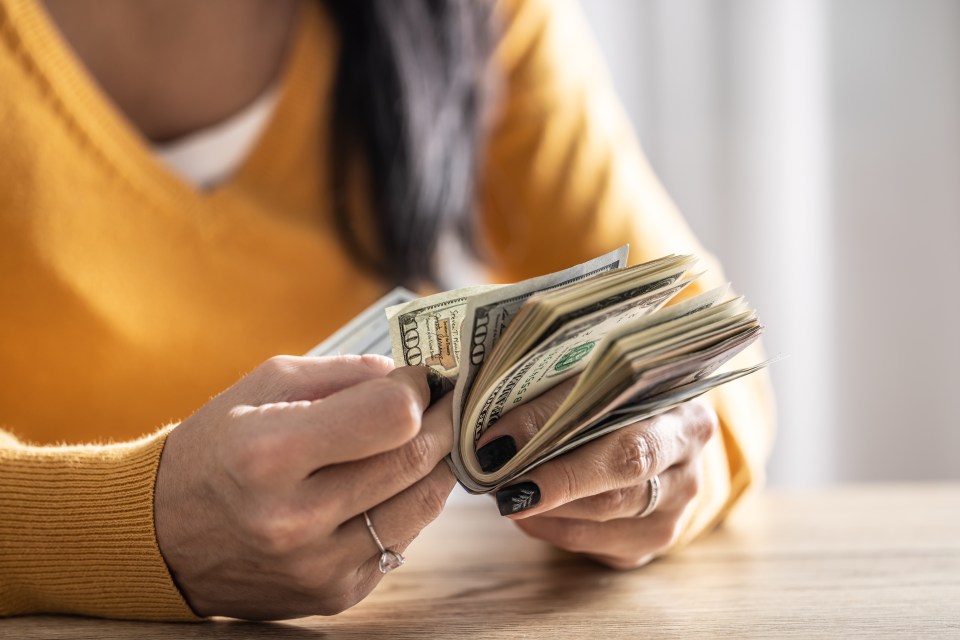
426, 332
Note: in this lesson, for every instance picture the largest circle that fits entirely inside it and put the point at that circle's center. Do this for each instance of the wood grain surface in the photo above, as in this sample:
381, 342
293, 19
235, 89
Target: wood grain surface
850, 562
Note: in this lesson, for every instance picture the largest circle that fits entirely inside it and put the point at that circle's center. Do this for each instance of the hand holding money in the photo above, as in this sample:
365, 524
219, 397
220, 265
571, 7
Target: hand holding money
589, 500
600, 325
260, 495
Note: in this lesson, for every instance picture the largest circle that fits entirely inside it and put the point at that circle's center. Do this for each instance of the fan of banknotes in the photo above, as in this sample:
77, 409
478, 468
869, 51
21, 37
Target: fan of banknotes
499, 346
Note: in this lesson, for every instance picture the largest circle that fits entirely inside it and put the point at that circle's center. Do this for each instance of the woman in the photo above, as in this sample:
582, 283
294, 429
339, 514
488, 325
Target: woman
187, 189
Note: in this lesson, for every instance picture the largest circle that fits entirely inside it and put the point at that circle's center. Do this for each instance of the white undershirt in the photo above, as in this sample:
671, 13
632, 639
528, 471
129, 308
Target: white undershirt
212, 155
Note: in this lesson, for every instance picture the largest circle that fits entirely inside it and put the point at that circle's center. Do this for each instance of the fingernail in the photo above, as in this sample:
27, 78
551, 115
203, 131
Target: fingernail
517, 497
495, 453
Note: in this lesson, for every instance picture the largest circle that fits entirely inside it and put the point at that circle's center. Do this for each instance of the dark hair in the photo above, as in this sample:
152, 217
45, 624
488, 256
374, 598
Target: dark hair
408, 104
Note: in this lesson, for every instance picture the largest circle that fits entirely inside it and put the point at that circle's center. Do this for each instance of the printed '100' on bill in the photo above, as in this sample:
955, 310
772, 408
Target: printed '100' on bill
426, 332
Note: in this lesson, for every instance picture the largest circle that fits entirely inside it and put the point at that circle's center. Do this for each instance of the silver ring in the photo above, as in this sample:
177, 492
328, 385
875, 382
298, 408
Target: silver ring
389, 559
654, 497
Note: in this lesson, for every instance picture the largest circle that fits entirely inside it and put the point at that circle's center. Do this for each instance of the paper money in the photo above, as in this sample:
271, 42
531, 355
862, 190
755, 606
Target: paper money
564, 354
426, 332
489, 314
499, 347
640, 368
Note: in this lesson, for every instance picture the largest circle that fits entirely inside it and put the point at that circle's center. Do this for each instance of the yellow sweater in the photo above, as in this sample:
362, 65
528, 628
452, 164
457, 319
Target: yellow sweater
129, 298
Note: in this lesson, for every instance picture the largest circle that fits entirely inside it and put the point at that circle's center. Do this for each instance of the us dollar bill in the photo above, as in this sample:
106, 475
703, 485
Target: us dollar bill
487, 316
498, 347
562, 355
426, 332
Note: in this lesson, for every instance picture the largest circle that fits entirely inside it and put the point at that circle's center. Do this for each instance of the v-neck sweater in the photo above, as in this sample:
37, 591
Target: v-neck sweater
128, 297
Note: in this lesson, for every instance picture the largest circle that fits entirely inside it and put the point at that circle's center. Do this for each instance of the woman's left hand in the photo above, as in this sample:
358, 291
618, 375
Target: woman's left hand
588, 500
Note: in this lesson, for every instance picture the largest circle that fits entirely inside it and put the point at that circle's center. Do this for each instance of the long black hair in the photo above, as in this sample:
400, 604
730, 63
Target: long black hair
409, 99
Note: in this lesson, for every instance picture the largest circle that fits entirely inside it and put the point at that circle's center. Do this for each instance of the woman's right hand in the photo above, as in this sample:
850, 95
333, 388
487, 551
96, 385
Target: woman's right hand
260, 494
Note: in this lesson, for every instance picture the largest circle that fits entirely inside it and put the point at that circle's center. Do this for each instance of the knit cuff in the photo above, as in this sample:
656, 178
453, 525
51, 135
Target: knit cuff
77, 533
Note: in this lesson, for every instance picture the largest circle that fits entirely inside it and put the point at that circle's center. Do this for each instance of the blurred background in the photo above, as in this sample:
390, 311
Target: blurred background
814, 146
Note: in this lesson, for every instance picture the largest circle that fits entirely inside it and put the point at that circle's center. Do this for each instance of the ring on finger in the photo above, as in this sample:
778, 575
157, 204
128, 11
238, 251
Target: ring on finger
654, 499
389, 559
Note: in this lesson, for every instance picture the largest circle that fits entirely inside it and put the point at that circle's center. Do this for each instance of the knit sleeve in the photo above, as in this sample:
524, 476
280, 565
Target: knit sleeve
565, 180
77, 532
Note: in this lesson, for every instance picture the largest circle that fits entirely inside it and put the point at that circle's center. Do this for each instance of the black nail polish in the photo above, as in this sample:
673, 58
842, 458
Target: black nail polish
496, 453
517, 497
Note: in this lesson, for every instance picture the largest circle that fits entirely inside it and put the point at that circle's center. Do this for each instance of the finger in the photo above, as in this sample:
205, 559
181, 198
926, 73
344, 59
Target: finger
397, 521
515, 429
625, 458
630, 541
349, 489
292, 378
294, 439
678, 486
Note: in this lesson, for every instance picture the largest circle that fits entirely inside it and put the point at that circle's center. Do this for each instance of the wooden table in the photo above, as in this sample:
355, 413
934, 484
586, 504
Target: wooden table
849, 562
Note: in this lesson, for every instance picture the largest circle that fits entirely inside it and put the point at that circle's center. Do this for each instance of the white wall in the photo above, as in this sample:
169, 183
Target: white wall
815, 148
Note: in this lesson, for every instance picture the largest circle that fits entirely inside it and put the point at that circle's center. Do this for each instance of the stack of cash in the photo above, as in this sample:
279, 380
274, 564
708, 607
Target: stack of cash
500, 346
